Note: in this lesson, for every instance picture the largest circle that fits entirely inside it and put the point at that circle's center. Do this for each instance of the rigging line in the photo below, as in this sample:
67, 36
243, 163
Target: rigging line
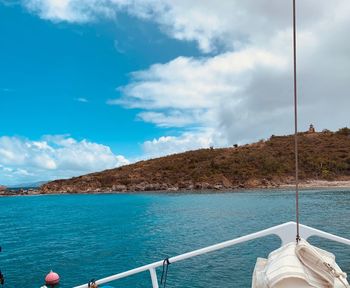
296, 122
164, 277
2, 278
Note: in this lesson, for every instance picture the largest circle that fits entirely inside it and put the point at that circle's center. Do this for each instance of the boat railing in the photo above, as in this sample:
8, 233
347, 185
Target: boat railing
286, 232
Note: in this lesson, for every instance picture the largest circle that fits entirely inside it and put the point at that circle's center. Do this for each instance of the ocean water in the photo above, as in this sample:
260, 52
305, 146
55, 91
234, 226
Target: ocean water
93, 236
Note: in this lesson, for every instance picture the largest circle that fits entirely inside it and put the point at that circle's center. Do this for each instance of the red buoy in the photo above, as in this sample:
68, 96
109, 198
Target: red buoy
52, 278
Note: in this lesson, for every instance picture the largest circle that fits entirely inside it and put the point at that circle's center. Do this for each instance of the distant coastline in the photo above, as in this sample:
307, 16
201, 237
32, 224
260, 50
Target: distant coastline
268, 164
305, 185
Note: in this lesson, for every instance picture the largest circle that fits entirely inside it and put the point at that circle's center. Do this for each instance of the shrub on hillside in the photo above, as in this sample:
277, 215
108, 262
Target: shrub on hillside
344, 131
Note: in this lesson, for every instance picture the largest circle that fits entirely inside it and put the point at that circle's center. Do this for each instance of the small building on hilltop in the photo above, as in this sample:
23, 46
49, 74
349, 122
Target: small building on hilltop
311, 129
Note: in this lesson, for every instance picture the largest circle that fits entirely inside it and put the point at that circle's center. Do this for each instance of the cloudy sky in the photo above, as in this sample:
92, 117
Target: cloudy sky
87, 85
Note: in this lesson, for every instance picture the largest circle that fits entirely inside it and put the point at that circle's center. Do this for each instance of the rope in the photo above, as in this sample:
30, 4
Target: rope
166, 264
337, 274
296, 122
92, 284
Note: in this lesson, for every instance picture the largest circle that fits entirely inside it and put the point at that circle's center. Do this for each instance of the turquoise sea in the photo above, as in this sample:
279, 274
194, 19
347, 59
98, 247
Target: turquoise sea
93, 236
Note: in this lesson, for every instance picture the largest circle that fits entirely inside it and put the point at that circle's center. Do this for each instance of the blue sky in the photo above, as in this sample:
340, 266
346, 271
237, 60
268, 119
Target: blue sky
46, 68
87, 85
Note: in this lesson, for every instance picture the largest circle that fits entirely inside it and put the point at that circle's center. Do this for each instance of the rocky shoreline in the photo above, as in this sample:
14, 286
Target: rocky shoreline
203, 188
320, 184
20, 192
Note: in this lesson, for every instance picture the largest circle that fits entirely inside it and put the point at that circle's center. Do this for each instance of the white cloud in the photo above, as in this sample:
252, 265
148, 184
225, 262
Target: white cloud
81, 99
24, 160
246, 94
209, 94
167, 145
174, 118
75, 11
209, 23
245, 91
187, 83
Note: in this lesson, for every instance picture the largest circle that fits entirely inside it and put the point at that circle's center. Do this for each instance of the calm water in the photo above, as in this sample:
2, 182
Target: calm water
92, 236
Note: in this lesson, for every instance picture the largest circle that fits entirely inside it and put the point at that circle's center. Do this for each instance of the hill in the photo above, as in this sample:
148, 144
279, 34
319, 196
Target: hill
270, 163
28, 185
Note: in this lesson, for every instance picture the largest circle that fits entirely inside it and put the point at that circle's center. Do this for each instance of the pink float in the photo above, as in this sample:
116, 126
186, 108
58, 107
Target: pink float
52, 278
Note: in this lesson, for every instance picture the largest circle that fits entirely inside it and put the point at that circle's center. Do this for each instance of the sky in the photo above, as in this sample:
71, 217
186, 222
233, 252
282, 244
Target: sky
88, 85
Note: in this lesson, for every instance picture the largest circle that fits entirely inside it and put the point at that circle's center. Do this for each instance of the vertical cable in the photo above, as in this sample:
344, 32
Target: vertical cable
296, 122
